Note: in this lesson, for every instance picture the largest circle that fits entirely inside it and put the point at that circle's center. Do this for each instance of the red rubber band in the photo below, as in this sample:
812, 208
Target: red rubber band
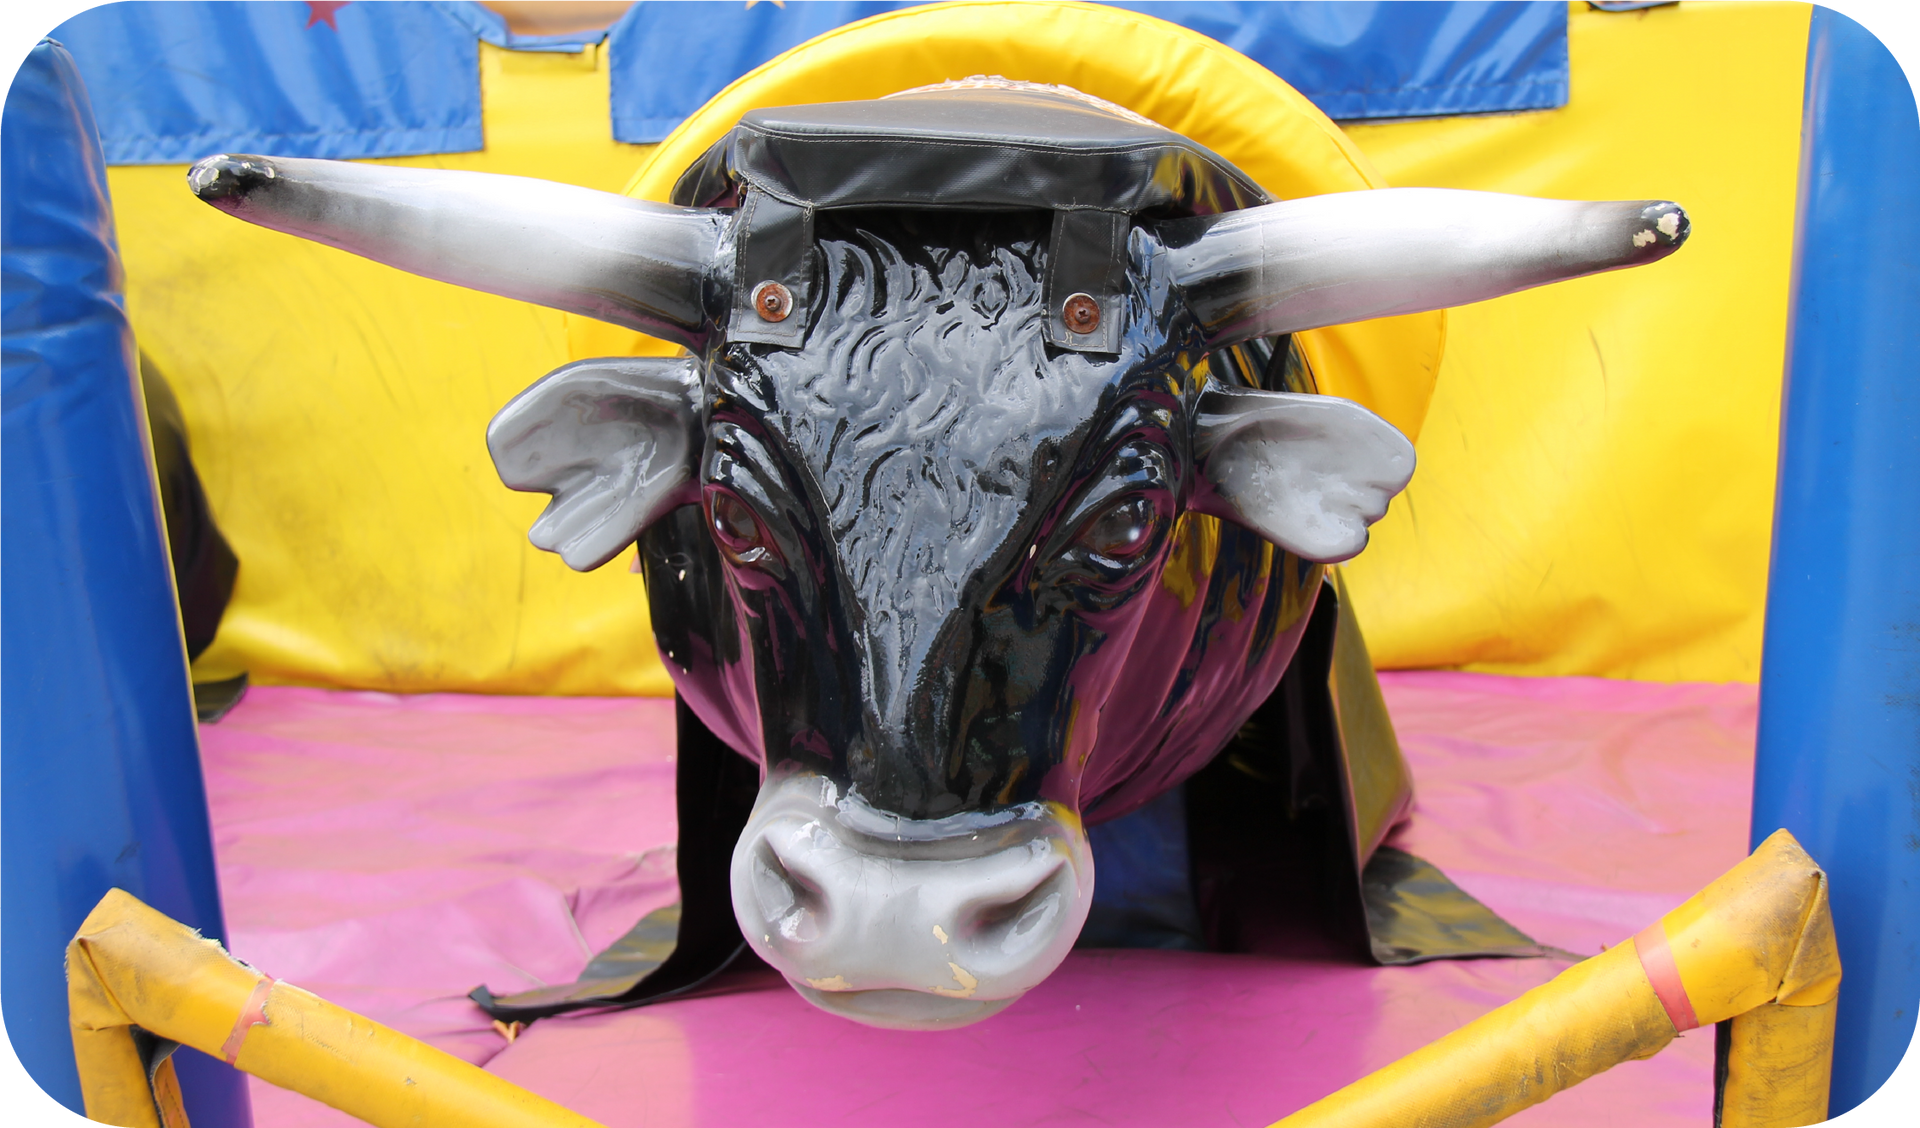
252, 1015
1656, 959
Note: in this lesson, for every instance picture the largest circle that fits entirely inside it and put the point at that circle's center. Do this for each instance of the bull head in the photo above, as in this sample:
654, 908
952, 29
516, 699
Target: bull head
933, 572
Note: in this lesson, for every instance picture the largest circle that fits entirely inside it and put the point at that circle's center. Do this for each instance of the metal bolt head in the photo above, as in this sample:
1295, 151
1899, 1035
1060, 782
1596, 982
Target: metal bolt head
772, 301
1081, 313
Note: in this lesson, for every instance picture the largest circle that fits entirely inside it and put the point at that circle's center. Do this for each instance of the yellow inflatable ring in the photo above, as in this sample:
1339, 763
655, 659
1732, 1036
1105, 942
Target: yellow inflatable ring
1191, 84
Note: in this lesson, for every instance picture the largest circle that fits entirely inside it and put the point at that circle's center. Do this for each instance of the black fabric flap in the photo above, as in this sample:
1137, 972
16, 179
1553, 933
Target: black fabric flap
972, 147
967, 148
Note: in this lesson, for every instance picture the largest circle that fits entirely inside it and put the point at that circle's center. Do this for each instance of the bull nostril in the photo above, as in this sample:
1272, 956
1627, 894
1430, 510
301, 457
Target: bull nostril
1017, 926
790, 905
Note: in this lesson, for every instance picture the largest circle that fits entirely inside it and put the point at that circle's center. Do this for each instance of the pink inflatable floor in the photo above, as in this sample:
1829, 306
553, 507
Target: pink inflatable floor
390, 853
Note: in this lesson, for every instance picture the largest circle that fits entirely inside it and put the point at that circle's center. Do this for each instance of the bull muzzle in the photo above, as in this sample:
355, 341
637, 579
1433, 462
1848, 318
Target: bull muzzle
911, 924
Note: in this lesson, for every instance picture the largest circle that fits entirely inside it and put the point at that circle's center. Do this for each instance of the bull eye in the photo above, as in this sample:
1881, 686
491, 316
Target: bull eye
1122, 532
735, 526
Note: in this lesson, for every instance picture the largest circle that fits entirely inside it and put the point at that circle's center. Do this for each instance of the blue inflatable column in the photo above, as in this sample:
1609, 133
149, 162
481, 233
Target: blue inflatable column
100, 782
1839, 754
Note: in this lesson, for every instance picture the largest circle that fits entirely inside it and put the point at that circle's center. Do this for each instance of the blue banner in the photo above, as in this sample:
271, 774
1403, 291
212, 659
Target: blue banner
1353, 60
173, 82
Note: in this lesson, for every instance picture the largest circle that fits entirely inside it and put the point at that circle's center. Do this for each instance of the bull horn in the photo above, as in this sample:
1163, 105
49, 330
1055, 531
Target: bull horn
1324, 260
632, 263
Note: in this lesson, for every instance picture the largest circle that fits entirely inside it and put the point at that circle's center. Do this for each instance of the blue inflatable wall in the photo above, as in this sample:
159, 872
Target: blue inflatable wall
100, 781
1839, 756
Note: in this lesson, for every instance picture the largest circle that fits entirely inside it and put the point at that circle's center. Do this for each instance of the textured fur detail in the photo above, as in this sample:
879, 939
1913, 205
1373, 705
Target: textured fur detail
889, 397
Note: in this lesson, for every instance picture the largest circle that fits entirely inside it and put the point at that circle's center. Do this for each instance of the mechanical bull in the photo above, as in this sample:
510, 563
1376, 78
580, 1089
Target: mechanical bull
992, 499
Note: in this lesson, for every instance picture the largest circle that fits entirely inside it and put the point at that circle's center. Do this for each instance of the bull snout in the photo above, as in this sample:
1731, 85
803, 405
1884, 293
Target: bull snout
913, 924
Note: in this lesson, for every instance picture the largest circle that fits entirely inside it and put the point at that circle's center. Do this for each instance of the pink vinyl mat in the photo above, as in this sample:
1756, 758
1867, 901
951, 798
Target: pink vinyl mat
390, 853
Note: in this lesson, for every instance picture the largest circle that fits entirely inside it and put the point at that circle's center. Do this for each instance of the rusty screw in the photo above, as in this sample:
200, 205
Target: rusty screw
773, 302
1081, 313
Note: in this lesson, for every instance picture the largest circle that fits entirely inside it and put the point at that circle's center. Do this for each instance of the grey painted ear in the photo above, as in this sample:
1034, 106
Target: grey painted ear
614, 441
1307, 472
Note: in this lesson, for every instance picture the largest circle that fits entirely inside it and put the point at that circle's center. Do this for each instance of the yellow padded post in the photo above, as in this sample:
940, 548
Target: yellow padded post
1755, 947
1779, 1064
130, 966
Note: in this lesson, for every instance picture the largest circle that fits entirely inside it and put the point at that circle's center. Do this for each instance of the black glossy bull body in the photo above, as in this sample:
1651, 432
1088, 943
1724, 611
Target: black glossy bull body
993, 497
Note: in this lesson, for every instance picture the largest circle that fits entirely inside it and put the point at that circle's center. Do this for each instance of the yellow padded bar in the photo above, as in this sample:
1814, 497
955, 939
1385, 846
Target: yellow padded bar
130, 966
1755, 949
1756, 946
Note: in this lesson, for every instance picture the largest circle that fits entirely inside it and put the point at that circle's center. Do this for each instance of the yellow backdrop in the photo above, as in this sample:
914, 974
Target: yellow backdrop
1596, 466
338, 413
1595, 491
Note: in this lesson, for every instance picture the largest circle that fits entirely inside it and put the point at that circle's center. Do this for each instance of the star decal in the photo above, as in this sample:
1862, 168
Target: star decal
321, 11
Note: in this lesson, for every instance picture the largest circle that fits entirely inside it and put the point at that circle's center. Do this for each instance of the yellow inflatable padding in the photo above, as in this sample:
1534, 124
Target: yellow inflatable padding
1191, 84
1595, 490
338, 412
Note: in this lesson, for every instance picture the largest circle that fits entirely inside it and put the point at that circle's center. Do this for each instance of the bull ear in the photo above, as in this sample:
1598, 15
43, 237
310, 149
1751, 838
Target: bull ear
1325, 260
614, 441
629, 262
1307, 472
